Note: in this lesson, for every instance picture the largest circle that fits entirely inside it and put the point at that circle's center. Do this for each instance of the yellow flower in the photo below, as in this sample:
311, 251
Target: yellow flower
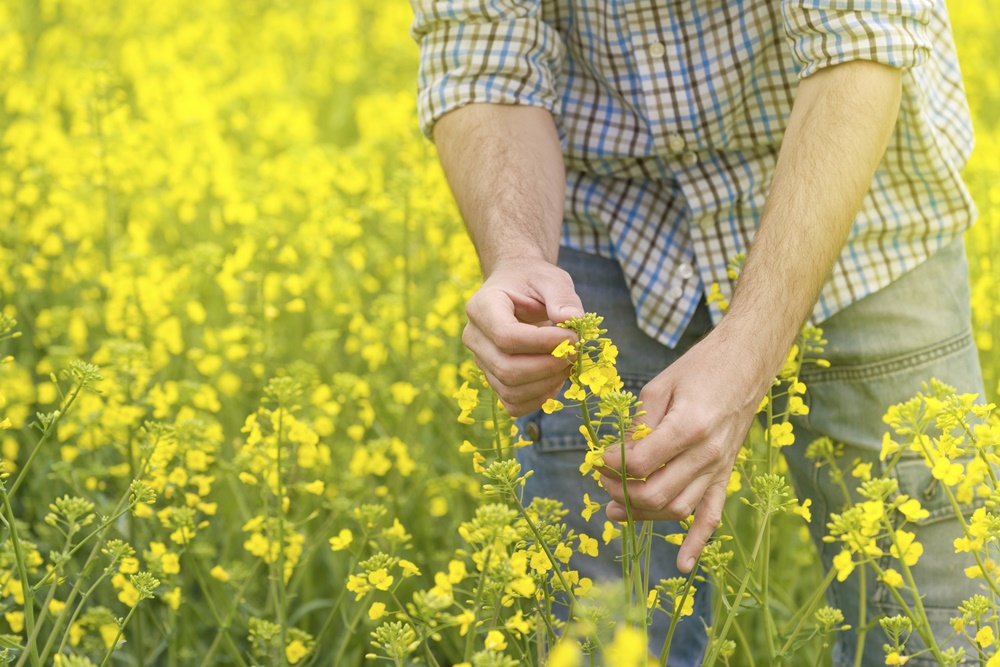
949, 473
589, 507
171, 563
906, 549
564, 350
892, 578
15, 619
219, 572
316, 487
517, 624
610, 532
540, 562
464, 620
889, 447
551, 405
409, 569
844, 564
985, 636
376, 611
688, 607
456, 571
295, 651
495, 641
380, 579
588, 545
895, 658
173, 598
862, 471
564, 654
781, 435
912, 511
641, 431
803, 510
735, 483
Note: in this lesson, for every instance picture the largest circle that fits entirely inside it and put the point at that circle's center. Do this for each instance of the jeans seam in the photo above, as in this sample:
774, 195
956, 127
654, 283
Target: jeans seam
877, 369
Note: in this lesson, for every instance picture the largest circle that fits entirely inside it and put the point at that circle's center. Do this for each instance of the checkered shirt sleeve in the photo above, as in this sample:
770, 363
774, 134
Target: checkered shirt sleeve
493, 51
829, 32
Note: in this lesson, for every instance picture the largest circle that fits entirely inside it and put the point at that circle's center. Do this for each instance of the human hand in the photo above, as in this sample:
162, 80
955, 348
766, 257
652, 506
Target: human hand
508, 333
699, 409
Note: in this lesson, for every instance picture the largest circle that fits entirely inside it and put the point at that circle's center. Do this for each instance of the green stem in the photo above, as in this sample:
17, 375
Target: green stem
280, 584
121, 629
676, 615
22, 569
806, 611
470, 636
552, 560
717, 642
349, 631
862, 616
49, 430
223, 629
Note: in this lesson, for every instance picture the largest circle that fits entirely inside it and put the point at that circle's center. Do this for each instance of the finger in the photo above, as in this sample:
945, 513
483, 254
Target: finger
674, 495
706, 519
492, 314
679, 432
514, 370
526, 398
559, 296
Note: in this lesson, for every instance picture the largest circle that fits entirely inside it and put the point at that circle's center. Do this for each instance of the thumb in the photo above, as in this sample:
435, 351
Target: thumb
559, 296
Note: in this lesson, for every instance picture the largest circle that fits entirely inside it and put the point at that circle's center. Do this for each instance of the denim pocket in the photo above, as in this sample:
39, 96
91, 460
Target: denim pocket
916, 481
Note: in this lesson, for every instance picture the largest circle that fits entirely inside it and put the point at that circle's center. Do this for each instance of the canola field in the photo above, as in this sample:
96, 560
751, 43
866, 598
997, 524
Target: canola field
237, 422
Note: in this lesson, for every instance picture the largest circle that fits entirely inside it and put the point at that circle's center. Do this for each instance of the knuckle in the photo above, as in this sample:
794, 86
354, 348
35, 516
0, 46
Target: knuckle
472, 306
504, 341
679, 509
710, 451
504, 372
698, 427
712, 518
650, 498
642, 466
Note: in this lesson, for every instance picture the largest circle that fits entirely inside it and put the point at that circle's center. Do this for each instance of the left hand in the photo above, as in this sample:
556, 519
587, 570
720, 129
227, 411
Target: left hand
699, 410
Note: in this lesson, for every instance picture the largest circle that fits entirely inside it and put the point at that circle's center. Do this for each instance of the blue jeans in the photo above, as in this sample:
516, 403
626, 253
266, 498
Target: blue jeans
880, 350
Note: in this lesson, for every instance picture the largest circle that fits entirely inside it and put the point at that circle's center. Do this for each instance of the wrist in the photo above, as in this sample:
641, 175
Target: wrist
519, 259
755, 347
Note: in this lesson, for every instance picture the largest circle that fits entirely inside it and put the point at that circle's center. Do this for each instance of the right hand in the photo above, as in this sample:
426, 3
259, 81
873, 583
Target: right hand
509, 331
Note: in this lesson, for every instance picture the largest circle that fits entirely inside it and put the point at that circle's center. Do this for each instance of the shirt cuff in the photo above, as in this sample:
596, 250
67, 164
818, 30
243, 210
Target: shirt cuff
830, 32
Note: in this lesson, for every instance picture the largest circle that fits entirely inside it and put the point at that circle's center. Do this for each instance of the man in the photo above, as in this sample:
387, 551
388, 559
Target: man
652, 141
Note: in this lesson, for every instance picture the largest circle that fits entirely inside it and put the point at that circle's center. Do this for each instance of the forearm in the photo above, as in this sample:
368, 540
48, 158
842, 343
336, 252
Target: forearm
505, 168
839, 128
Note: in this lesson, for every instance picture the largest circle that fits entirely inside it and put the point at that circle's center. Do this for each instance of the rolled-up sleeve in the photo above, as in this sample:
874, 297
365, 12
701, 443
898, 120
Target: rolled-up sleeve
493, 51
829, 32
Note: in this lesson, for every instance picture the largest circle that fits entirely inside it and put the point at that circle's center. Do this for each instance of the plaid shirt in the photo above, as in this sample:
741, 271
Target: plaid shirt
671, 114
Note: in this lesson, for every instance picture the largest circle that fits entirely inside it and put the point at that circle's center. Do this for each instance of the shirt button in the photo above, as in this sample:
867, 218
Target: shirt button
705, 222
675, 293
657, 50
690, 158
676, 143
685, 271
